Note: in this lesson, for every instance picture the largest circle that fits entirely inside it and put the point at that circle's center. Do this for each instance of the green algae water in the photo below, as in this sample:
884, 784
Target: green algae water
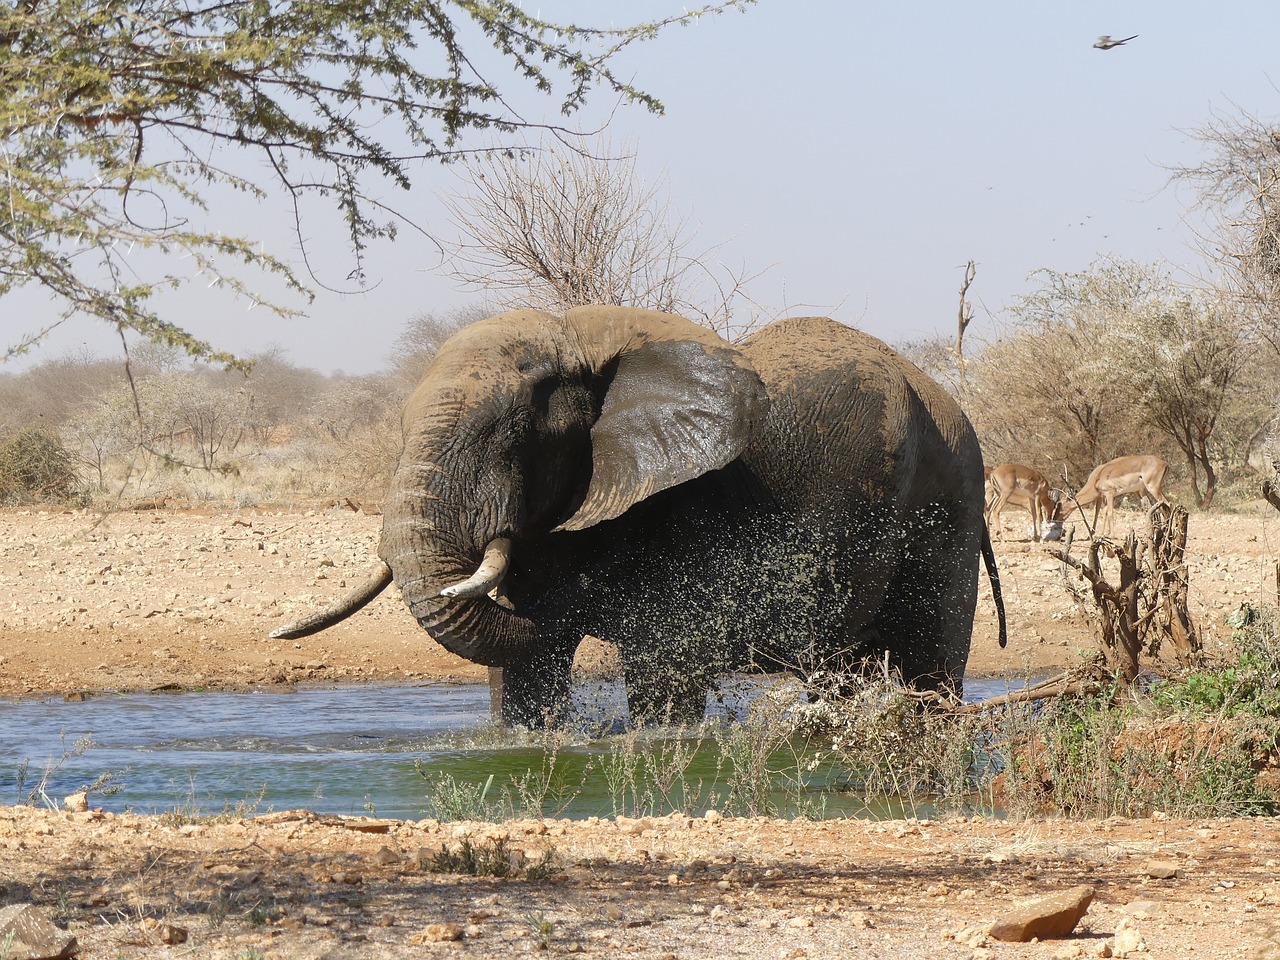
401, 751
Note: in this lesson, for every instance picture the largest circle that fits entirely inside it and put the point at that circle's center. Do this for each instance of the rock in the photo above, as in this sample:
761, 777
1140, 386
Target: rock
438, 933
34, 935
967, 937
76, 803
1128, 939
1047, 918
164, 932
634, 828
1162, 869
386, 856
1141, 909
362, 825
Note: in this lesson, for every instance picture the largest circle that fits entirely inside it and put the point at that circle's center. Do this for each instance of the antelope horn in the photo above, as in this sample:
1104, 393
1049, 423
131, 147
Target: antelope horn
493, 567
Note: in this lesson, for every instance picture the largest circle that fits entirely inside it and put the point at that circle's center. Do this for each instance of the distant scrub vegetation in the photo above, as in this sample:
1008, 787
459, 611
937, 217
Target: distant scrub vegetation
79, 428
1111, 361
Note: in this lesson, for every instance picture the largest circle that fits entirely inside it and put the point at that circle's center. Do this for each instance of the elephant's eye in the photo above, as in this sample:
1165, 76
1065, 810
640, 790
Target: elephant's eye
514, 432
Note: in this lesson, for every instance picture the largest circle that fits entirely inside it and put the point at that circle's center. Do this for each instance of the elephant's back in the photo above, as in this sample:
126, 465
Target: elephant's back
862, 415
790, 353
791, 349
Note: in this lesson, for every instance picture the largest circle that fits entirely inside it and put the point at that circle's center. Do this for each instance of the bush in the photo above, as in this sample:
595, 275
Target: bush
1089, 757
36, 468
897, 755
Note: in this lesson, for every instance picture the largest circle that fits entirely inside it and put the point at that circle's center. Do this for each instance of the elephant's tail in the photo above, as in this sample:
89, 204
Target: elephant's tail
993, 572
340, 609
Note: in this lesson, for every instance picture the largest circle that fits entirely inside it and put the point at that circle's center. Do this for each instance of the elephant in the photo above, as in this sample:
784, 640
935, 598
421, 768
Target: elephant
804, 500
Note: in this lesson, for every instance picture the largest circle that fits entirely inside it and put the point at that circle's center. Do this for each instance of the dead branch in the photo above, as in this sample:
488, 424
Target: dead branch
964, 317
1146, 601
1271, 493
1064, 685
1171, 580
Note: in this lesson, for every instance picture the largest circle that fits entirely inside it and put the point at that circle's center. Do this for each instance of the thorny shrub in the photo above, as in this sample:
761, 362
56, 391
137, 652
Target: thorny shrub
36, 468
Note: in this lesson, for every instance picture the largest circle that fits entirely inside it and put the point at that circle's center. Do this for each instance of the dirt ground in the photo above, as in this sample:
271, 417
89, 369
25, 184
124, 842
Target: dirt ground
149, 599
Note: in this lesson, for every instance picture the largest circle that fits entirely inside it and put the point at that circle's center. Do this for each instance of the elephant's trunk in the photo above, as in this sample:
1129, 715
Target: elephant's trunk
447, 594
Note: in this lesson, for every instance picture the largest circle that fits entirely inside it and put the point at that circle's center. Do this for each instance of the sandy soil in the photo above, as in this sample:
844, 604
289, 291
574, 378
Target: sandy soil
148, 599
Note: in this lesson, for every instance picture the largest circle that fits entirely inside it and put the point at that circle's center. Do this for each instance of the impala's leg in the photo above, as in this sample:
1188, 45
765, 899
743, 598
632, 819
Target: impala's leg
996, 526
1151, 494
1034, 507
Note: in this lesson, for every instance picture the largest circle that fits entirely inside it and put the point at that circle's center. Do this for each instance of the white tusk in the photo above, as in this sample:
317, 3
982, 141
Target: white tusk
497, 556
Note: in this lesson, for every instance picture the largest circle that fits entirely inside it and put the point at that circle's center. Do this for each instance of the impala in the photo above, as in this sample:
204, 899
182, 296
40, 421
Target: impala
1142, 474
1023, 487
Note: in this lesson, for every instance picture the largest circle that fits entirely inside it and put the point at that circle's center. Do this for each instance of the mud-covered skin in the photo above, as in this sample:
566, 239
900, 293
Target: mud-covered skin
806, 499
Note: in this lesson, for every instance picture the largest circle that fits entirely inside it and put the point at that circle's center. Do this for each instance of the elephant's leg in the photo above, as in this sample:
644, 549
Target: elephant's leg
927, 619
666, 683
535, 693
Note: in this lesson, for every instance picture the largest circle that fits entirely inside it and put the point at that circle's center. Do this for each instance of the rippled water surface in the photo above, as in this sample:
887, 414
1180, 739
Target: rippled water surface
350, 749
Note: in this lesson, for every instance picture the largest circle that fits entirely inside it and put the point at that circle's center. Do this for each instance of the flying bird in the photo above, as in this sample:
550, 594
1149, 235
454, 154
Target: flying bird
1106, 43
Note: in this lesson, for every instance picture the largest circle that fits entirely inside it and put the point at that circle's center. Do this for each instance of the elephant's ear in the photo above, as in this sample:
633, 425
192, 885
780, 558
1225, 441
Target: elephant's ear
674, 409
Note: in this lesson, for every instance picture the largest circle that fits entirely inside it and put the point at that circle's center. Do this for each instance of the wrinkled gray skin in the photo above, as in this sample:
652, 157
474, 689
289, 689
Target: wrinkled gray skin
805, 499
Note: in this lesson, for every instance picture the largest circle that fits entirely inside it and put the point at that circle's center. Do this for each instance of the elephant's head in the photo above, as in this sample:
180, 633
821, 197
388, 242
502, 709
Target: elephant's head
525, 424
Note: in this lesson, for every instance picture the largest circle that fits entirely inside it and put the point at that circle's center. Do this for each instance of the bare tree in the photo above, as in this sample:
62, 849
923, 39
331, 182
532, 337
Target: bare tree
421, 339
277, 393
964, 317
944, 359
104, 434
54, 391
549, 228
188, 412
1238, 185
357, 425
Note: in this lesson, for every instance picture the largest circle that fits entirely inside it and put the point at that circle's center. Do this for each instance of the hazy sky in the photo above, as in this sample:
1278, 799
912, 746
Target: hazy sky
858, 153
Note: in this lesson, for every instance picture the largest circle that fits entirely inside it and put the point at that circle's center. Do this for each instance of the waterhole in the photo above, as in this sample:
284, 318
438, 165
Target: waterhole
391, 751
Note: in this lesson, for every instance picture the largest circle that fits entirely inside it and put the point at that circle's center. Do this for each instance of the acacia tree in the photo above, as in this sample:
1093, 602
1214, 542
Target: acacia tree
1238, 186
1047, 391
550, 228
118, 122
1179, 356
1112, 360
54, 390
